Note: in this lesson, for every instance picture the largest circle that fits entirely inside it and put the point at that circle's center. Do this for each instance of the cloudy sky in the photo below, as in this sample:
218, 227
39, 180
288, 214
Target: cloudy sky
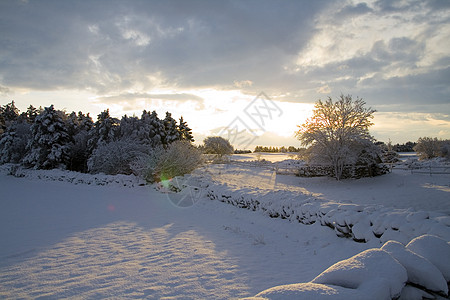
211, 60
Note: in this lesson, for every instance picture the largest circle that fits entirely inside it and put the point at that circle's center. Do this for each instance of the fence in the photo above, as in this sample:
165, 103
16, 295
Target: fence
296, 170
429, 170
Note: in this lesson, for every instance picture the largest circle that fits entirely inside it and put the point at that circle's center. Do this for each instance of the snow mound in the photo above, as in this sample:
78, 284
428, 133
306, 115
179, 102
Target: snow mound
392, 272
371, 274
420, 270
367, 270
434, 249
312, 291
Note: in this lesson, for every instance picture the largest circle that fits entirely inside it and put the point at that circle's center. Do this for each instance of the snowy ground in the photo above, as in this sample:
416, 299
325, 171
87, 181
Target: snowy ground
59, 239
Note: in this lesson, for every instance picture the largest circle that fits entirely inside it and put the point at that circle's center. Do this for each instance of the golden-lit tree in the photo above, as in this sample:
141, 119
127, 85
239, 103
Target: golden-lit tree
337, 132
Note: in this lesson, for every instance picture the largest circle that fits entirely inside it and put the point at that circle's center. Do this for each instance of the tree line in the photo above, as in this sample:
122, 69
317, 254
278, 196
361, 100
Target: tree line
282, 149
46, 138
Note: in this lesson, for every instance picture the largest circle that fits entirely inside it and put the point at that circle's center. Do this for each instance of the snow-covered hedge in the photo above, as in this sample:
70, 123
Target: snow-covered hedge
415, 271
361, 223
72, 177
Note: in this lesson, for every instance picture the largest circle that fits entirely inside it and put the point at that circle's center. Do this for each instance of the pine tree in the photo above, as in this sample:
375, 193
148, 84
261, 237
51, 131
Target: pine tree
158, 125
184, 131
170, 129
105, 130
49, 144
8, 114
129, 128
79, 127
31, 114
14, 141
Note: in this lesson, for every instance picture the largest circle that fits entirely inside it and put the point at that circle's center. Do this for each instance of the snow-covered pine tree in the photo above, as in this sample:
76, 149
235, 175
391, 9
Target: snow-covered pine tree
129, 128
49, 144
79, 127
105, 130
151, 129
171, 129
31, 114
158, 135
8, 114
184, 131
13, 142
85, 122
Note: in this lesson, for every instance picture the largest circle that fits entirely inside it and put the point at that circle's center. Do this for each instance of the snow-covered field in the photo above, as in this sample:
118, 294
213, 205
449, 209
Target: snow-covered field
65, 234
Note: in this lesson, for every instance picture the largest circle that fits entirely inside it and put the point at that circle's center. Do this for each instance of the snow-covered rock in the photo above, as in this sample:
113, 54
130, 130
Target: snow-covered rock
435, 249
374, 270
420, 271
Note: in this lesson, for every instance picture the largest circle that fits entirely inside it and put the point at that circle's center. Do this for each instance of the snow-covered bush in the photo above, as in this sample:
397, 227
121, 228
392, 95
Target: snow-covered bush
390, 157
115, 157
179, 158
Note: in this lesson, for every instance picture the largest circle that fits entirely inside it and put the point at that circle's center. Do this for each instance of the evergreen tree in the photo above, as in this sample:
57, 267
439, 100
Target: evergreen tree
79, 127
105, 130
152, 130
49, 144
129, 128
170, 129
184, 131
13, 142
31, 114
8, 114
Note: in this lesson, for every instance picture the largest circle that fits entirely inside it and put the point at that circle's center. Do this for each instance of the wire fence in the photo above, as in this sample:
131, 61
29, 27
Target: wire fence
429, 170
282, 169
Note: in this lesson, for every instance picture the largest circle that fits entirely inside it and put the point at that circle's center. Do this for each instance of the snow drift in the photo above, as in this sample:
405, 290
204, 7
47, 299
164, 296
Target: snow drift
385, 273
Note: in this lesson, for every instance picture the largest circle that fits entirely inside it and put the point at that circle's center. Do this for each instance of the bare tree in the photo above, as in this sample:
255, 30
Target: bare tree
337, 132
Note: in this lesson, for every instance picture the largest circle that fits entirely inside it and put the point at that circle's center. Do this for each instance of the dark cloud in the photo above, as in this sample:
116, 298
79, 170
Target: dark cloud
125, 49
393, 6
353, 10
109, 45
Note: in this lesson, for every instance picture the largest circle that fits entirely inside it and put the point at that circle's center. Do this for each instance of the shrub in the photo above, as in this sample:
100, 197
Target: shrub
428, 147
115, 157
178, 159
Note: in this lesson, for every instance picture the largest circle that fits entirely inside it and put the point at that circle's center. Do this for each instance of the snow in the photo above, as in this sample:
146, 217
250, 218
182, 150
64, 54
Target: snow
435, 249
361, 270
66, 234
420, 270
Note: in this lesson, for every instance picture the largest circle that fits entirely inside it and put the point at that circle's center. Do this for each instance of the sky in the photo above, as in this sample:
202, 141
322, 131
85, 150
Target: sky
250, 71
